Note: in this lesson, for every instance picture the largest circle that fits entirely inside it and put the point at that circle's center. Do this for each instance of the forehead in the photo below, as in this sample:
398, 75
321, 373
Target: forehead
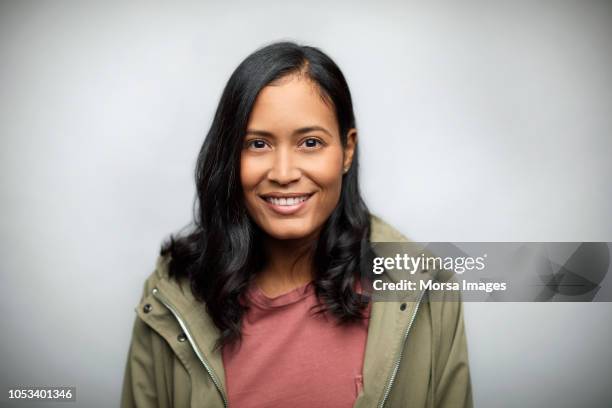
293, 102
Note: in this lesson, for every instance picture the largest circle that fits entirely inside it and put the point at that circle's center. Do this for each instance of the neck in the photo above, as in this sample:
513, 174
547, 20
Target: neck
288, 266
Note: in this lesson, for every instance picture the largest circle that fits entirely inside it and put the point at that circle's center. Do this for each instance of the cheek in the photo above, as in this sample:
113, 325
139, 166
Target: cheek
327, 174
327, 170
250, 177
250, 173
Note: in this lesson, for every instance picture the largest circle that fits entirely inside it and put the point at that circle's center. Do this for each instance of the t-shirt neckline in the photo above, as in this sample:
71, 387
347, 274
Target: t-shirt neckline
257, 296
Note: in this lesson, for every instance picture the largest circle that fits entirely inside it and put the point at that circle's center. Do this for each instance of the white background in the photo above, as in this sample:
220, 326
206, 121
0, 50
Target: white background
478, 121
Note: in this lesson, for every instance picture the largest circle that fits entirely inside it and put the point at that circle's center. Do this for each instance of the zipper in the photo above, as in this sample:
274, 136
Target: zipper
399, 358
196, 349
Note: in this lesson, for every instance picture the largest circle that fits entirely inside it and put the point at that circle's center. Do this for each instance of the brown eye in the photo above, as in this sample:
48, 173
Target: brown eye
256, 144
312, 143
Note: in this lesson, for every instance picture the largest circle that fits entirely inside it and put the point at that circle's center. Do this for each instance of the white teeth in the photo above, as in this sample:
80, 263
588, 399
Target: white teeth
286, 201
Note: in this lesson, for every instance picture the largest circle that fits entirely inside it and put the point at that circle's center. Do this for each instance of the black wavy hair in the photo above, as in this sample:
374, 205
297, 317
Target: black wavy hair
221, 252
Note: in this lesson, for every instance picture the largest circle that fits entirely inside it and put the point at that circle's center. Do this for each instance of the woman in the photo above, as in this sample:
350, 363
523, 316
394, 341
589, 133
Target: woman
260, 304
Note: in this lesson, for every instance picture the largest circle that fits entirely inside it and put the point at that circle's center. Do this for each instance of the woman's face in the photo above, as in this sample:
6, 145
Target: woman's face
292, 159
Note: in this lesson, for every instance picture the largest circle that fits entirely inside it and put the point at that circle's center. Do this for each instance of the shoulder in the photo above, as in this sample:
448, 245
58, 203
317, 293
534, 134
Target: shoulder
159, 273
447, 303
180, 287
381, 231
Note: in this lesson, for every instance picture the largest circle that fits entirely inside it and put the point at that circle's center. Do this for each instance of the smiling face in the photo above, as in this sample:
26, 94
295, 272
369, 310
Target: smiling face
292, 159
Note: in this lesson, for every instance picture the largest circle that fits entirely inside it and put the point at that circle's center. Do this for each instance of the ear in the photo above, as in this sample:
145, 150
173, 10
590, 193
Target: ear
349, 149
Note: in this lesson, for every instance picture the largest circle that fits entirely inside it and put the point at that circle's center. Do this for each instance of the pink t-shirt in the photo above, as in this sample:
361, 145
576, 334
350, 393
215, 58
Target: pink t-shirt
292, 358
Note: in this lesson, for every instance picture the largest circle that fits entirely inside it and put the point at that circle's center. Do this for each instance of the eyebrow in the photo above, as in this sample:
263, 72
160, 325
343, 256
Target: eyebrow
299, 131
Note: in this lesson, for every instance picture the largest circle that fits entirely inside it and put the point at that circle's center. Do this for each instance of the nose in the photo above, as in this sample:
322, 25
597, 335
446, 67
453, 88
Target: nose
284, 170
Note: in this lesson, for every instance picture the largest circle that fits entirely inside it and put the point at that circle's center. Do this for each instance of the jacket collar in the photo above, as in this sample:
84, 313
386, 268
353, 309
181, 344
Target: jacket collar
388, 325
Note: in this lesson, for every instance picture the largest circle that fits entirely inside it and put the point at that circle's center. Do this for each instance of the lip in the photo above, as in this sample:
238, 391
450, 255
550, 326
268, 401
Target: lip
286, 209
284, 195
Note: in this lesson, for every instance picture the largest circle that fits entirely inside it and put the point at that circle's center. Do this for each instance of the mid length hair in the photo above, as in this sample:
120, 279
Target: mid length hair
222, 250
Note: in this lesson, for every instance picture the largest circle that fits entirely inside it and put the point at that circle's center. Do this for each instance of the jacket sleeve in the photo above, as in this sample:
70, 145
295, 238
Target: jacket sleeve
139, 387
454, 386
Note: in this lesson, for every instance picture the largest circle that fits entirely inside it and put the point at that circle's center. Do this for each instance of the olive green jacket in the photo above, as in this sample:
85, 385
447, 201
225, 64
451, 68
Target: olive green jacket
416, 352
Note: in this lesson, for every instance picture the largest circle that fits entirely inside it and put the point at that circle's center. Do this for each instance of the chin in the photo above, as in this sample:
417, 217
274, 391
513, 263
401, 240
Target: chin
288, 231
